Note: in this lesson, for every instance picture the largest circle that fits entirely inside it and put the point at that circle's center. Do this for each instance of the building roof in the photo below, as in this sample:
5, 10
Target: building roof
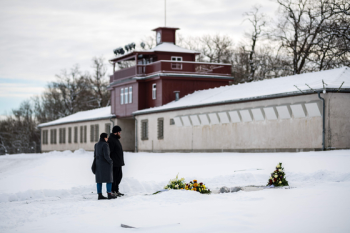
260, 89
170, 47
90, 115
163, 47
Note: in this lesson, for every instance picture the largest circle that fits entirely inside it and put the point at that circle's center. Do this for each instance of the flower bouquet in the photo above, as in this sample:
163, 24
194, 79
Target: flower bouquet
278, 177
176, 183
199, 187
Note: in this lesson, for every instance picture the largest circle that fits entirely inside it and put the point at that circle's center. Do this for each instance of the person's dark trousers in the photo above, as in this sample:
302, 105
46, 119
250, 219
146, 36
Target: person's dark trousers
117, 177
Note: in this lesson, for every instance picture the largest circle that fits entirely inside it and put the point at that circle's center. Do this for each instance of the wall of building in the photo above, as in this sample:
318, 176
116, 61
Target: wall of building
127, 140
293, 134
338, 120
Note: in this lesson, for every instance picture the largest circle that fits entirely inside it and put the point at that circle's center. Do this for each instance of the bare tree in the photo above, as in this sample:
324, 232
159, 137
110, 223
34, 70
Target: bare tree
215, 48
98, 82
258, 22
300, 28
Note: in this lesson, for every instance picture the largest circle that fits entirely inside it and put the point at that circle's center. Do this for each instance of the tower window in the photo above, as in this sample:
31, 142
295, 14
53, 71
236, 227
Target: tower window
122, 96
154, 91
126, 94
176, 66
130, 94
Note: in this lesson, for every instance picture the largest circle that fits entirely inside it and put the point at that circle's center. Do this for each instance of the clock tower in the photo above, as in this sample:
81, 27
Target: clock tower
165, 34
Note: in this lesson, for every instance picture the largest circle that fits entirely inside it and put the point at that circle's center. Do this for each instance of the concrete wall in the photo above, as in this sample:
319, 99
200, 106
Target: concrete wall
293, 134
127, 140
338, 121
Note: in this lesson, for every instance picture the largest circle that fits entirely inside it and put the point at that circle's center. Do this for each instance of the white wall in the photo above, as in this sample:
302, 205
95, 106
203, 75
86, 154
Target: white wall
127, 140
261, 134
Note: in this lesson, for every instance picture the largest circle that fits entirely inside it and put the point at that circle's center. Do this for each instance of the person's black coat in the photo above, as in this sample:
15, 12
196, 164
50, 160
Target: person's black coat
116, 149
104, 163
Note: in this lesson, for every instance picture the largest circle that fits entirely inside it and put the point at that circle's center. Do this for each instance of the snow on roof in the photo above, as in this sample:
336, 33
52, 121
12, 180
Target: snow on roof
170, 47
284, 85
95, 114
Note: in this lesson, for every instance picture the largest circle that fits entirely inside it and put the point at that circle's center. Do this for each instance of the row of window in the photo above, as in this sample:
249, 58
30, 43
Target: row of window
126, 95
160, 129
94, 134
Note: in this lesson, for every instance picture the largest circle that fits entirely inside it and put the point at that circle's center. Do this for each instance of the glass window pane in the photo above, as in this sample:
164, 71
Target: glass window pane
126, 92
130, 94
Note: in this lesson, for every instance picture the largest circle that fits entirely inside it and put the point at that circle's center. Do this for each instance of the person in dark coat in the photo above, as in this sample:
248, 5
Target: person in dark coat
117, 156
104, 167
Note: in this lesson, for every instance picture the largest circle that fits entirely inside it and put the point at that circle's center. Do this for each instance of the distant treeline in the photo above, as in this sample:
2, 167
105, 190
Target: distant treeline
306, 36
72, 91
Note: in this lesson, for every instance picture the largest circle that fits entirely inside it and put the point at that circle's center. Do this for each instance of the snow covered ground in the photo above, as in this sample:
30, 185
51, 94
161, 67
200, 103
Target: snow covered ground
55, 192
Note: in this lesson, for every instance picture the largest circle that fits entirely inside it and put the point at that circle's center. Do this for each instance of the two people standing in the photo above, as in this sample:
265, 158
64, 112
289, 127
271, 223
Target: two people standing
108, 162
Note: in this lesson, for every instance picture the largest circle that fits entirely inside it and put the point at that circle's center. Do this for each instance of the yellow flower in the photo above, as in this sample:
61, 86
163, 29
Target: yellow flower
195, 185
203, 186
194, 189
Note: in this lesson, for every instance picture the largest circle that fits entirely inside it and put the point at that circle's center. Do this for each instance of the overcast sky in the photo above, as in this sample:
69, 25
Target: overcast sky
39, 38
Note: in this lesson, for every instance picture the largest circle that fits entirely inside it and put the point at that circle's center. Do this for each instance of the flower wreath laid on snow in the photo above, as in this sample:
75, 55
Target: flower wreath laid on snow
278, 177
191, 186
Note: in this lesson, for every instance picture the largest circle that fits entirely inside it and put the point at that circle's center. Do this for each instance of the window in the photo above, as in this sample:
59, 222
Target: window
130, 94
172, 122
45, 137
85, 129
94, 134
69, 134
160, 126
126, 93
62, 135
108, 128
122, 96
76, 134
154, 91
81, 134
53, 136
176, 66
144, 130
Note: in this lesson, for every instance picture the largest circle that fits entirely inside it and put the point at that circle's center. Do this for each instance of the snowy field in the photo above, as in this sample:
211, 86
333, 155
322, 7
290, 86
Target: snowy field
55, 192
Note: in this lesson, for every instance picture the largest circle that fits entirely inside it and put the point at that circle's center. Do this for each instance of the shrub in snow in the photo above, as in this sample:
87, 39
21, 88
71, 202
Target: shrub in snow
278, 177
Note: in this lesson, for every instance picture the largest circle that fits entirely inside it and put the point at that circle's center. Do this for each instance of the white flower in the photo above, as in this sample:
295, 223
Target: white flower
165, 187
280, 182
169, 188
278, 166
276, 176
182, 179
177, 186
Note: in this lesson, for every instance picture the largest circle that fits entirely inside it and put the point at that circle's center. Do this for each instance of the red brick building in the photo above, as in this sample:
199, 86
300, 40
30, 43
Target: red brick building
155, 74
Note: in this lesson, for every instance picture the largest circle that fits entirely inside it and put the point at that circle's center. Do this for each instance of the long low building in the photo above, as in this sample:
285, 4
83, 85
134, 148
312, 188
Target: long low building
282, 114
303, 112
82, 130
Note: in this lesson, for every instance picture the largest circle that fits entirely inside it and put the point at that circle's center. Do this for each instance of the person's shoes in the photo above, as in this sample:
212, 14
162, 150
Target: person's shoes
101, 197
114, 194
119, 194
111, 196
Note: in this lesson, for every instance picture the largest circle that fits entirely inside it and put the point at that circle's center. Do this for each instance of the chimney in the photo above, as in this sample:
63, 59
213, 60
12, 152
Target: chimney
177, 95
